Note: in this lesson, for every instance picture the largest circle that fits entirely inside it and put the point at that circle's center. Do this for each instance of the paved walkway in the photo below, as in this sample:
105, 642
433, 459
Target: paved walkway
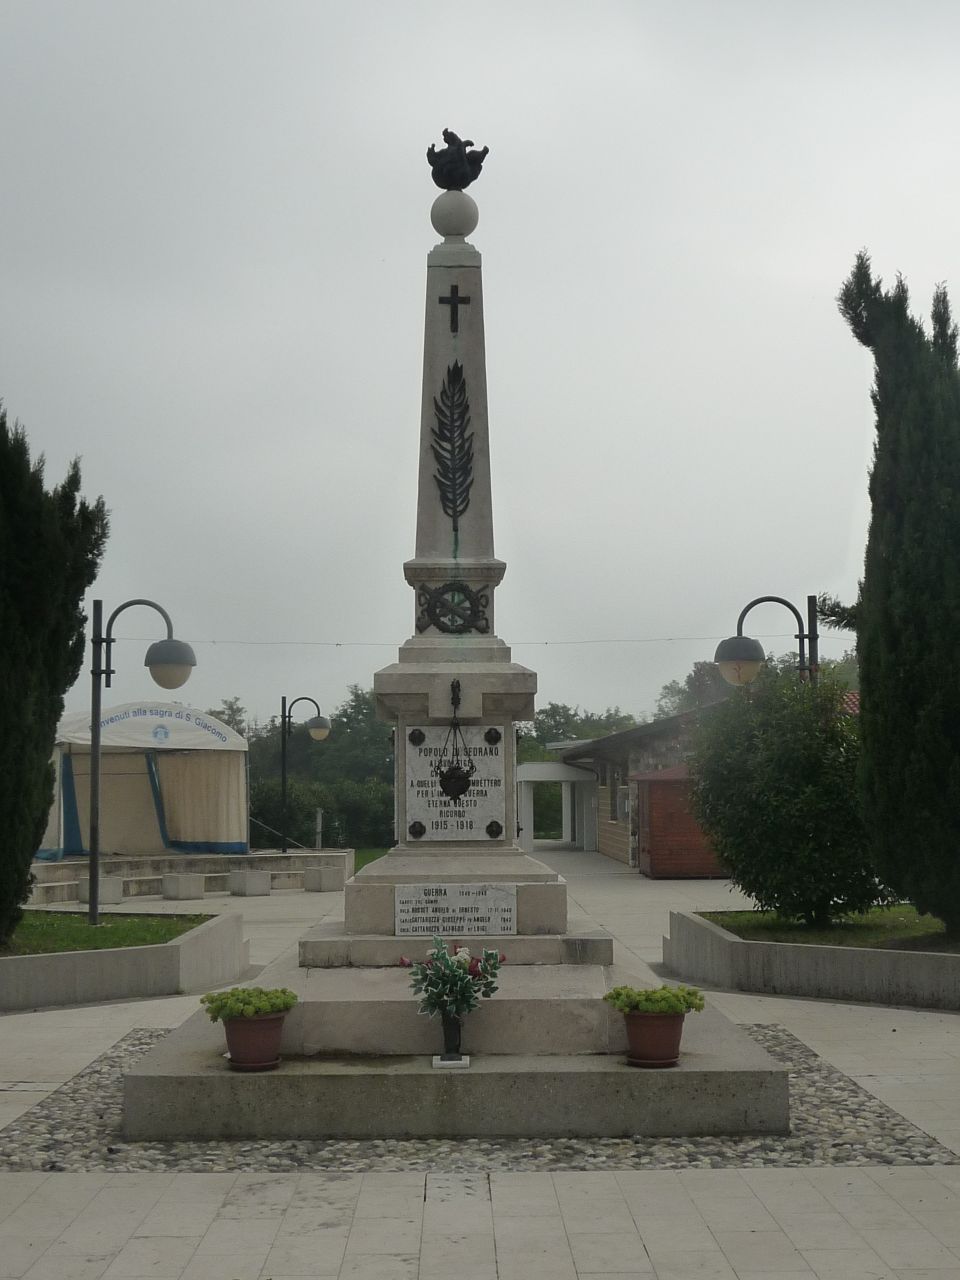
878, 1222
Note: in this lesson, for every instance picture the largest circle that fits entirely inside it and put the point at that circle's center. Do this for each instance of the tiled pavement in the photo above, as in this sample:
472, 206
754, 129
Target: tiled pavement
838, 1224
878, 1222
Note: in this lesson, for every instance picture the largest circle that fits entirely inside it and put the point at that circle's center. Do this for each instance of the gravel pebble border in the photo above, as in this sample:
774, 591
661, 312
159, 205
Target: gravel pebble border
835, 1122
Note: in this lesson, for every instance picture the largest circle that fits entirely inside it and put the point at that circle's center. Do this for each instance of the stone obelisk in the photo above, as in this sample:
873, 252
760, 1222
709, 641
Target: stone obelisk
455, 696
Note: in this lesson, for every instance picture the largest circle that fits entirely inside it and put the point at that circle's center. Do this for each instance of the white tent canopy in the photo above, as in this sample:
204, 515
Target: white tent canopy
172, 779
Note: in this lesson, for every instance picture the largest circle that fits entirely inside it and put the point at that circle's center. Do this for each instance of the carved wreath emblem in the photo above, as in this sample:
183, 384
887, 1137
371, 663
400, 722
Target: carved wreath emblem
453, 608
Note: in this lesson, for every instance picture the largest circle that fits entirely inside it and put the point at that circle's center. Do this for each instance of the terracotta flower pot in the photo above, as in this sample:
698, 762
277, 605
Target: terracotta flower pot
254, 1043
653, 1039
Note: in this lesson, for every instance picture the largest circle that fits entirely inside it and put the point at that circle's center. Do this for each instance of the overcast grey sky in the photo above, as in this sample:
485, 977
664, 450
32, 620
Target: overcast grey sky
213, 229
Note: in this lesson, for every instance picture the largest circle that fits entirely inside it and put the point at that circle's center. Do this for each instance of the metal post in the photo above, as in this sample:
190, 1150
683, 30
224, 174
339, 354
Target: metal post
318, 831
813, 636
93, 866
283, 774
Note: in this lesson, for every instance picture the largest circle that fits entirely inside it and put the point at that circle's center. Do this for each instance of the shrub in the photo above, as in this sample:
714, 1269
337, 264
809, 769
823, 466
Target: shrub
679, 999
775, 789
246, 1002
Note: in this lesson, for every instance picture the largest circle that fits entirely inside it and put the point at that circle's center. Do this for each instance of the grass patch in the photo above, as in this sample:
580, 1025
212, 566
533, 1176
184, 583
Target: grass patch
898, 928
363, 856
41, 932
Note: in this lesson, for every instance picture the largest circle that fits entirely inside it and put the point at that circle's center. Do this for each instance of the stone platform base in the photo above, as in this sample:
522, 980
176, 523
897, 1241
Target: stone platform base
724, 1084
327, 946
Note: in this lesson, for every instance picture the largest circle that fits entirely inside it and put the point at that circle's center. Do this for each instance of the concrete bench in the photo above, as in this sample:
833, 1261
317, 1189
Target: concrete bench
249, 884
334, 869
111, 889
183, 884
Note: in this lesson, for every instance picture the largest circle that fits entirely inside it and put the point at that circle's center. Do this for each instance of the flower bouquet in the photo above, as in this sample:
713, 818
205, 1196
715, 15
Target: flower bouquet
452, 983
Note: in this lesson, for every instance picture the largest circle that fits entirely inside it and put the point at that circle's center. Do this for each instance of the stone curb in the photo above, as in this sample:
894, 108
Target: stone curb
208, 956
698, 950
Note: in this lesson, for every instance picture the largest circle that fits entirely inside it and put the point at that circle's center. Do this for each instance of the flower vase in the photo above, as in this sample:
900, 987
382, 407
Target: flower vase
452, 1028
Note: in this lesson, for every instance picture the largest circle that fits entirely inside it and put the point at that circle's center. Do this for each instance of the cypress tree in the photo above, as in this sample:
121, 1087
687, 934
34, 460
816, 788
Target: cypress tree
50, 548
908, 614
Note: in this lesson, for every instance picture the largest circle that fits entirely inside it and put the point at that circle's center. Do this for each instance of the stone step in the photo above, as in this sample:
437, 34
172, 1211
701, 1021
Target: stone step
539, 1009
150, 865
724, 1084
328, 947
66, 869
55, 891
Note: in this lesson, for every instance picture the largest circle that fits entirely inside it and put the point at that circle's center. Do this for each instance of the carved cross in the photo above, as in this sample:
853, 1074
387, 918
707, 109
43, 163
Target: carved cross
453, 301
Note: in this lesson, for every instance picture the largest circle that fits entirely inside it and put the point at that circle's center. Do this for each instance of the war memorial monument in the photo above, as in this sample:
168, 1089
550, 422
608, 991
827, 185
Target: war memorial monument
546, 1053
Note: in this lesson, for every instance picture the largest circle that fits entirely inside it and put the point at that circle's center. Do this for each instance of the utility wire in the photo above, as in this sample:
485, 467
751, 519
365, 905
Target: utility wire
392, 644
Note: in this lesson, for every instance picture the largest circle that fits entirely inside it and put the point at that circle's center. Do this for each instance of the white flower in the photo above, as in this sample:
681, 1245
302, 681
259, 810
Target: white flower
462, 957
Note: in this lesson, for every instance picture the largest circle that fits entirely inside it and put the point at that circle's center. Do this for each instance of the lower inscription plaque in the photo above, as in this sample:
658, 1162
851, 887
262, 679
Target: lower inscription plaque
456, 908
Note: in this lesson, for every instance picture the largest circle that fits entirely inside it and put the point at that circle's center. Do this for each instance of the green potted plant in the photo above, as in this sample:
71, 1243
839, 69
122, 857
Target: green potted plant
654, 1021
252, 1020
452, 984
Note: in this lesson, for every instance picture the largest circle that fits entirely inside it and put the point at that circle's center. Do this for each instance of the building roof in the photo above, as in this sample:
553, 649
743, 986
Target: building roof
617, 743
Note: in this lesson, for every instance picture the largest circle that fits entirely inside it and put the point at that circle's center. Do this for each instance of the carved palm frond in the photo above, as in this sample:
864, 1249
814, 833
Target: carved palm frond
453, 445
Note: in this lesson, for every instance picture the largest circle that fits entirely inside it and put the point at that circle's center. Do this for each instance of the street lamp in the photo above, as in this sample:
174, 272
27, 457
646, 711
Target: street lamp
740, 657
318, 727
170, 662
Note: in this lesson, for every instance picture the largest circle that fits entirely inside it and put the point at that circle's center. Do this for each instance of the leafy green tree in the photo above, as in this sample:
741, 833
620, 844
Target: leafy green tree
702, 687
232, 714
558, 722
349, 776
355, 814
908, 613
845, 670
51, 544
775, 789
360, 746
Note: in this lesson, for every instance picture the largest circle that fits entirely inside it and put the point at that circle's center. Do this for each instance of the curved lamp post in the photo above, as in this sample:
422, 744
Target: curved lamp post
740, 657
318, 727
170, 662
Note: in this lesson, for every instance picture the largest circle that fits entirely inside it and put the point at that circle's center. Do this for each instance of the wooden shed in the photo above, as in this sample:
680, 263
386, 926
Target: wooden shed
671, 845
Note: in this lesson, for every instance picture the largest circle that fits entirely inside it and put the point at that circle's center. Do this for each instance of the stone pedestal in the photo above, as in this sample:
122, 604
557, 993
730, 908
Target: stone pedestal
249, 884
111, 890
183, 885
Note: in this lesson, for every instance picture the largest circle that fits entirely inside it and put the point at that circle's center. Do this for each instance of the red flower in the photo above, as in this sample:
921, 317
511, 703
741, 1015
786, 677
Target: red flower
404, 963
503, 957
473, 968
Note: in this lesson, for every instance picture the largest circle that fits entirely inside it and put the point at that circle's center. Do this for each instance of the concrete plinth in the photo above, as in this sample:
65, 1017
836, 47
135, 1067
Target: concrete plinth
724, 1084
371, 908
370, 901
327, 946
249, 884
330, 874
111, 889
184, 884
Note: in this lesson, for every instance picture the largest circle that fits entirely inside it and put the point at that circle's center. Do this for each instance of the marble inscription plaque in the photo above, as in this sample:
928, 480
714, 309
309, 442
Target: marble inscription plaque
467, 817
456, 909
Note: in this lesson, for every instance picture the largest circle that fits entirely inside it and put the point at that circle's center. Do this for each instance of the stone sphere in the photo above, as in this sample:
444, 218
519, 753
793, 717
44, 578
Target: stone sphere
454, 214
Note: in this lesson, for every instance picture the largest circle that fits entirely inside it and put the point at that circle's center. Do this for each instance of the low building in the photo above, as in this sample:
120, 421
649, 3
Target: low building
643, 787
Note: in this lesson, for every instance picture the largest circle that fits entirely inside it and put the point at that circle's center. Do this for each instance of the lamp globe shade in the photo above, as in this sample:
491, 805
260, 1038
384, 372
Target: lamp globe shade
739, 659
318, 728
170, 662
